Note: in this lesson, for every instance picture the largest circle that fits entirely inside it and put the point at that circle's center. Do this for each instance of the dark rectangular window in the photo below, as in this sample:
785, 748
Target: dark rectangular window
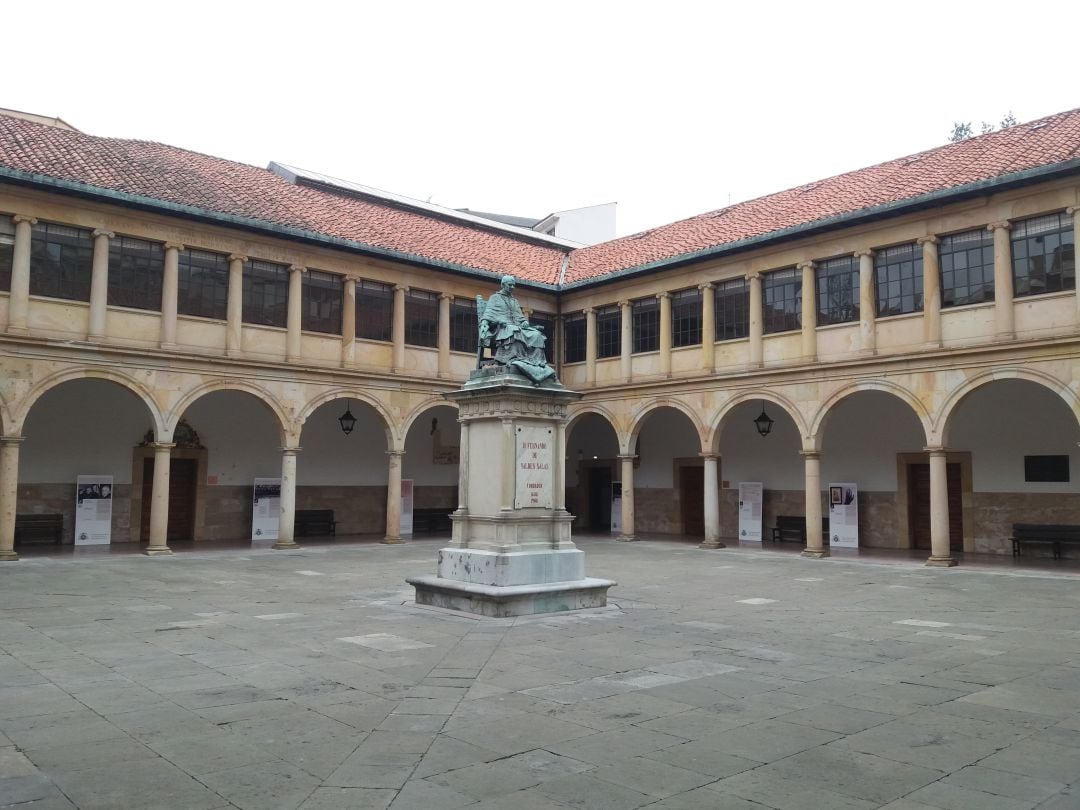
646, 325
967, 267
608, 332
898, 273
686, 318
135, 270
374, 310
322, 295
266, 293
1043, 255
546, 324
574, 338
203, 284
837, 283
421, 318
1046, 469
463, 325
61, 260
781, 293
732, 309
7, 251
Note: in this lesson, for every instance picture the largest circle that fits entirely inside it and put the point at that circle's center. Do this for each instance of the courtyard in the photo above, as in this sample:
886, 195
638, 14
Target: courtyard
734, 679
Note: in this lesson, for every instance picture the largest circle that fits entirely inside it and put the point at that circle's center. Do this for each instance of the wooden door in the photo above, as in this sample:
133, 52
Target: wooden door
599, 498
919, 506
692, 500
182, 483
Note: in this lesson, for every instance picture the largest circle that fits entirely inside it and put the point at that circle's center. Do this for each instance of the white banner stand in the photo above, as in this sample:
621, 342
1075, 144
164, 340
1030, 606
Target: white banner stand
843, 515
407, 506
751, 499
93, 510
265, 509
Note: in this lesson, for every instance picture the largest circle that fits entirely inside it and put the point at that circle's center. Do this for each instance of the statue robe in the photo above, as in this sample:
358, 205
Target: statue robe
517, 345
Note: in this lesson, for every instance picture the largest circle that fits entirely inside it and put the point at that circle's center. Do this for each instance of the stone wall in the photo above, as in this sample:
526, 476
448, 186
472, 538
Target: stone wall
996, 512
657, 511
47, 499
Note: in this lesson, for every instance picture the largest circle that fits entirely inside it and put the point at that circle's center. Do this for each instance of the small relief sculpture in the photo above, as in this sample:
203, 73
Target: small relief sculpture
516, 344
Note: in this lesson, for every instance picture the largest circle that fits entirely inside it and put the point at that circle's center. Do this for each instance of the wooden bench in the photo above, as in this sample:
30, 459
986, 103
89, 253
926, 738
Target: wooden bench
792, 528
39, 528
314, 522
1056, 535
432, 520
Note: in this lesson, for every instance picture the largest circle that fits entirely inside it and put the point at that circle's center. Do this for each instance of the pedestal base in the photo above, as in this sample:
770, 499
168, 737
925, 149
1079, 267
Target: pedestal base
941, 562
158, 552
503, 601
711, 544
8, 556
285, 546
817, 554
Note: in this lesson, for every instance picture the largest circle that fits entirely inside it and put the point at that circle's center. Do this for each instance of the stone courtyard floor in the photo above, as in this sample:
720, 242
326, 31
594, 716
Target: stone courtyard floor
729, 679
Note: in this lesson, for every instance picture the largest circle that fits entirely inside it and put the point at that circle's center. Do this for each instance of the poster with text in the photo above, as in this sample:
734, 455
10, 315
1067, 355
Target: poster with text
407, 506
751, 498
535, 455
93, 510
265, 509
843, 515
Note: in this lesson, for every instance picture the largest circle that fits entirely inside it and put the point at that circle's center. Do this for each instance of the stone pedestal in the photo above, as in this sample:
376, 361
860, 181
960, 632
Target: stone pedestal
511, 552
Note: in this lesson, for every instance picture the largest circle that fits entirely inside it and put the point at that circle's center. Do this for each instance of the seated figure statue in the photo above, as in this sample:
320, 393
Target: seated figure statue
516, 344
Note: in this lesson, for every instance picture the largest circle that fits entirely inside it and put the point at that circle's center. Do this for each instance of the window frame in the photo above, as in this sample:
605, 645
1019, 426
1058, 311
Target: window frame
645, 325
464, 327
575, 337
7, 251
135, 280
265, 299
778, 321
949, 248
61, 264
1022, 243
213, 278
730, 290
322, 312
687, 313
421, 319
836, 290
608, 332
898, 278
374, 310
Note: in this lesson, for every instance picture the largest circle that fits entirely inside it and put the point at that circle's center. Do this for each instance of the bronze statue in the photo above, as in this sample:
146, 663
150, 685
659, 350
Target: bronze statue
516, 344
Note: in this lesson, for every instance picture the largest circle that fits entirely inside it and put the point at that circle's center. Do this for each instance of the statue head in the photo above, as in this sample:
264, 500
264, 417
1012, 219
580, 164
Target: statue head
508, 283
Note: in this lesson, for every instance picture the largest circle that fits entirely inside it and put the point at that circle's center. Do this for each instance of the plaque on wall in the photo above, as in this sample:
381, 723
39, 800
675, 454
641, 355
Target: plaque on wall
534, 477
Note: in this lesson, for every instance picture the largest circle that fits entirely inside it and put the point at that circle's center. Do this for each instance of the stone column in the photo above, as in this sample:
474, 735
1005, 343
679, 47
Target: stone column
348, 323
170, 281
1074, 212
867, 303
712, 501
590, 346
931, 292
665, 333
708, 327
627, 475
287, 515
940, 548
234, 308
809, 311
1003, 281
9, 494
159, 502
293, 322
393, 497
397, 329
814, 545
19, 298
757, 314
99, 285
626, 340
444, 335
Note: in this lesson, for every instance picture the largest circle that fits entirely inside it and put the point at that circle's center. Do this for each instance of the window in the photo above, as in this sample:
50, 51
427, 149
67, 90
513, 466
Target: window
7, 251
686, 318
421, 318
374, 310
60, 262
135, 270
546, 323
898, 272
203, 284
837, 283
266, 293
574, 338
608, 332
463, 326
967, 268
322, 294
646, 325
732, 309
1043, 255
1046, 468
781, 293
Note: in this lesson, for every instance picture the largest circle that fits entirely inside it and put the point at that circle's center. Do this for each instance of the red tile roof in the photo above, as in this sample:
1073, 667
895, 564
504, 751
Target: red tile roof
186, 178
1026, 146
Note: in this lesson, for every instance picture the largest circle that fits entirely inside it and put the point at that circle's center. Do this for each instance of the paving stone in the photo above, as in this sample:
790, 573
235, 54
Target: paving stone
1003, 783
487, 780
334, 798
1036, 759
148, 784
659, 779
609, 746
256, 787
770, 790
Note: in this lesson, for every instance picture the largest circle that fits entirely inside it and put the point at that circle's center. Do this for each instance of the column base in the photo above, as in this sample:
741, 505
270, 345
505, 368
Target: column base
92, 338
285, 545
9, 556
392, 541
158, 551
711, 544
941, 562
234, 353
815, 553
626, 538
168, 346
17, 330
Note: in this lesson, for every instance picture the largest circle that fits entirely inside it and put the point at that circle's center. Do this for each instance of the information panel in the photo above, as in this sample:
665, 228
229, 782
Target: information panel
843, 515
93, 510
406, 526
751, 497
535, 452
265, 509
616, 507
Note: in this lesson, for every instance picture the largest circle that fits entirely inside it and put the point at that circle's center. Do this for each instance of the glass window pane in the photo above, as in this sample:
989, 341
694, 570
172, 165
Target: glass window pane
266, 293
135, 272
374, 310
321, 302
202, 284
61, 260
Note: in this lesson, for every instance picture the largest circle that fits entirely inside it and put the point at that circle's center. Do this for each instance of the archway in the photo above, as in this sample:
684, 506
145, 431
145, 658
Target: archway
668, 473
592, 468
431, 464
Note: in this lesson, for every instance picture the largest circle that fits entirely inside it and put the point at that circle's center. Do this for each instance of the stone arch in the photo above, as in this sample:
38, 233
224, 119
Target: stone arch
5, 416
418, 411
638, 420
939, 433
18, 417
884, 386
789, 407
285, 425
597, 410
312, 405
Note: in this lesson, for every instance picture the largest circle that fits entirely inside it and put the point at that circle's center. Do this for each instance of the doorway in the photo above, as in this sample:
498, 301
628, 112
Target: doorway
183, 479
919, 505
599, 482
692, 500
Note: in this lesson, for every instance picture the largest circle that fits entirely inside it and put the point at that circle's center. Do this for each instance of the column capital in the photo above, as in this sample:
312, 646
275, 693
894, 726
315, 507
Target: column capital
297, 268
173, 246
868, 252
662, 295
1002, 225
348, 279
927, 240
24, 218
589, 311
755, 276
450, 298
401, 288
237, 257
12, 440
705, 285
101, 232
290, 451
1072, 209
623, 304
161, 445
806, 266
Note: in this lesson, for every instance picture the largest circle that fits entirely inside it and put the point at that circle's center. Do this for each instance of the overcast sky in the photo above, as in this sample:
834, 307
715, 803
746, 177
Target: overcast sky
668, 108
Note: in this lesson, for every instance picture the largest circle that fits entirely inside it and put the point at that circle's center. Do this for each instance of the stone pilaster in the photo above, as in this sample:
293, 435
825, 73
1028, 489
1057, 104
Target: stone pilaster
9, 491
348, 323
234, 307
1003, 281
19, 297
815, 546
287, 515
393, 497
158, 544
931, 292
867, 303
397, 329
1074, 212
626, 340
294, 320
665, 333
809, 311
757, 313
712, 501
99, 286
940, 547
590, 346
444, 335
708, 327
170, 282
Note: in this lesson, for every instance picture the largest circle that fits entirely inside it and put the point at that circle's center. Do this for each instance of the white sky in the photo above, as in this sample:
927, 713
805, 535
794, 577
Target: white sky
669, 108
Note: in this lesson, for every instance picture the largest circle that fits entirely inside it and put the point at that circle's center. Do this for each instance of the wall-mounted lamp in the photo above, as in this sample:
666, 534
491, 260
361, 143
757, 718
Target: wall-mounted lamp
347, 420
763, 423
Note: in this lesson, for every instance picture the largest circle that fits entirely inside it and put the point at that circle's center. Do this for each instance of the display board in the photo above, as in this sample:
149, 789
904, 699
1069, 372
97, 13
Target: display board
751, 499
616, 507
407, 489
843, 515
93, 510
266, 509
535, 451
